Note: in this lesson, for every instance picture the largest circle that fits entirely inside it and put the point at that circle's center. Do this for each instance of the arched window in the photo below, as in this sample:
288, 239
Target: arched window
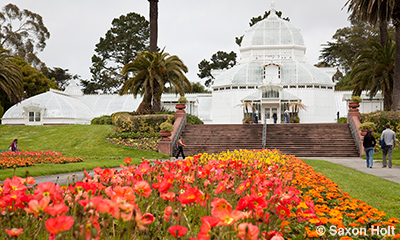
270, 93
272, 73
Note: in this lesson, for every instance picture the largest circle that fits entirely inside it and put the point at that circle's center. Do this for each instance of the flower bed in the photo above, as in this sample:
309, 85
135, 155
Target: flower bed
144, 143
232, 195
24, 159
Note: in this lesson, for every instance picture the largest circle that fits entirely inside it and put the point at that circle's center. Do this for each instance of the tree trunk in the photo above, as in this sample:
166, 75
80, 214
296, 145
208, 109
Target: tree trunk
145, 105
153, 25
396, 81
387, 99
157, 98
383, 31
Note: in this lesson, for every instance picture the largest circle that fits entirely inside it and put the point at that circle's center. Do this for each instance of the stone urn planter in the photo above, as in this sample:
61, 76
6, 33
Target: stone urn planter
353, 105
180, 106
165, 134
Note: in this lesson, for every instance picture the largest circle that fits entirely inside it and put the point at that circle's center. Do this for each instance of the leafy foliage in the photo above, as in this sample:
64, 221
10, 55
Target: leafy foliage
381, 118
219, 60
34, 81
23, 32
149, 72
11, 84
103, 120
346, 44
126, 122
128, 35
374, 71
342, 120
60, 76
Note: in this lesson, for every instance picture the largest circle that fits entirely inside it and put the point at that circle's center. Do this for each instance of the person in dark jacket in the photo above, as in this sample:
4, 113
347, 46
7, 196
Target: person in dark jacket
369, 144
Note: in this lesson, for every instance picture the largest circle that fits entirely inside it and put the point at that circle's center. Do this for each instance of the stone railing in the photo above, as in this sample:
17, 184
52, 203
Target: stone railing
166, 145
353, 119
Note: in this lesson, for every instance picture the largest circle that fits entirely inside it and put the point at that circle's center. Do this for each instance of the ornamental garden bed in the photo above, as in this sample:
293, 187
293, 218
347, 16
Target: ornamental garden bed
232, 195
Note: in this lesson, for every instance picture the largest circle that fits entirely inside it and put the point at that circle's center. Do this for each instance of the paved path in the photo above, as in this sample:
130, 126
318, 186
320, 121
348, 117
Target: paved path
391, 174
359, 164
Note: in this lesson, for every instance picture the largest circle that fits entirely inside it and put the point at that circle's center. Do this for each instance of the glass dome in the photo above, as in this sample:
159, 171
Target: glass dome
55, 104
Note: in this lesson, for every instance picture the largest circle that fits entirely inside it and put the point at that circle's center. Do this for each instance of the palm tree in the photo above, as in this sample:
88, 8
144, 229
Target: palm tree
372, 11
150, 72
396, 83
153, 25
374, 70
10, 77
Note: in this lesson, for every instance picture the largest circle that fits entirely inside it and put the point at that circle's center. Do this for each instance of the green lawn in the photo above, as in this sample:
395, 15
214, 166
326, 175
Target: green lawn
87, 141
395, 158
377, 192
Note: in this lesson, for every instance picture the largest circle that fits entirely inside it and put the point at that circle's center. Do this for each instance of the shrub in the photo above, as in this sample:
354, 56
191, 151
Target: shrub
367, 126
342, 120
127, 122
166, 126
182, 100
381, 118
356, 99
133, 135
103, 120
191, 119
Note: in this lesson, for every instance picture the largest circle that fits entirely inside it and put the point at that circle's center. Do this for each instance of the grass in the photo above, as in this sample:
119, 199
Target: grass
377, 192
395, 157
86, 141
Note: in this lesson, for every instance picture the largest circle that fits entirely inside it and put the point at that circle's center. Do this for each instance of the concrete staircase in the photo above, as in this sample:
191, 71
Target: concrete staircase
302, 140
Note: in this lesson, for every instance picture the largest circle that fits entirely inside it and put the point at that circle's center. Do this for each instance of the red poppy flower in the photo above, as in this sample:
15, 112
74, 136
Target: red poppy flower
142, 188
189, 196
168, 196
167, 213
147, 218
219, 204
243, 186
14, 231
56, 209
177, 230
247, 231
59, 224
128, 160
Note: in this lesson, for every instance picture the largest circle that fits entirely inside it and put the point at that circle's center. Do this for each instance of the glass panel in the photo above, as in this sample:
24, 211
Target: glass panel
31, 116
37, 117
267, 113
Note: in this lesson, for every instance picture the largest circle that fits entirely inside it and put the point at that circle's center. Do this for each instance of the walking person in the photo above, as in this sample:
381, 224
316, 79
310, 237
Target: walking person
389, 139
369, 144
180, 145
13, 147
287, 116
275, 117
256, 117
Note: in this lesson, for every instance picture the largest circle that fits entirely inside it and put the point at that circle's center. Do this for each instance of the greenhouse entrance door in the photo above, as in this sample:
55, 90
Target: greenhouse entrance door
269, 112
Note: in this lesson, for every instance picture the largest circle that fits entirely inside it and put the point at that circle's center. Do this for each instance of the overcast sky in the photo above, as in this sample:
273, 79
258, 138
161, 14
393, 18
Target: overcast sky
192, 30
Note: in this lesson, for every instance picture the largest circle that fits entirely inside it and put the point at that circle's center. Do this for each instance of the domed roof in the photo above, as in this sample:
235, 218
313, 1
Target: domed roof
55, 104
292, 72
272, 31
